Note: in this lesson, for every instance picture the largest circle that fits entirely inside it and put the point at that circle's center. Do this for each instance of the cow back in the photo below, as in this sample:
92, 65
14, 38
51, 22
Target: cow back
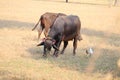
67, 26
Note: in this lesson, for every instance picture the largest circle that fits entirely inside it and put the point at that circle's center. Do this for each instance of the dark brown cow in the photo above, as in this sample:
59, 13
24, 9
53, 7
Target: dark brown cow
65, 28
46, 20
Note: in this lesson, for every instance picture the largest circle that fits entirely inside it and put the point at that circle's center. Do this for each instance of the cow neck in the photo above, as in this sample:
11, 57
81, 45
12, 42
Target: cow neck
51, 37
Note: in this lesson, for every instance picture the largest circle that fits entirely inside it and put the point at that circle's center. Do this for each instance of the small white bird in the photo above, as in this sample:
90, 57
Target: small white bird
89, 51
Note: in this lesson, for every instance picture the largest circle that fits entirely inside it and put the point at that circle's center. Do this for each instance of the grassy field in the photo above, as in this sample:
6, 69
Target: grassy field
21, 59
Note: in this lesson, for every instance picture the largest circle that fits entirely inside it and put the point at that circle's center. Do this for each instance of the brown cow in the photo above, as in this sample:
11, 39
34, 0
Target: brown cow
65, 28
46, 20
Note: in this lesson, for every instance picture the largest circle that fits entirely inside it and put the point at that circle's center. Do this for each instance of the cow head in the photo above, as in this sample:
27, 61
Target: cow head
48, 44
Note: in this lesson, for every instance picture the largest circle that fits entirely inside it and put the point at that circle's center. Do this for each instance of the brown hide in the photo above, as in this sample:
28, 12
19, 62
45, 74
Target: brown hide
47, 19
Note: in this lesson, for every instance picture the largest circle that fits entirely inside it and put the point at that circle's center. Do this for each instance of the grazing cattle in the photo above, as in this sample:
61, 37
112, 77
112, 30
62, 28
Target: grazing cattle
46, 20
65, 28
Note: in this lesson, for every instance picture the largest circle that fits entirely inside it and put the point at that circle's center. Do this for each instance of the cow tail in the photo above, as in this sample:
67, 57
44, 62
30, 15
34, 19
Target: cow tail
36, 24
79, 32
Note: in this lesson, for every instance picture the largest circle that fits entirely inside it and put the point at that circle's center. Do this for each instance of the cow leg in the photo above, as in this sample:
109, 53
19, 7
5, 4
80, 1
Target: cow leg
39, 33
79, 37
65, 45
74, 45
56, 51
45, 33
44, 54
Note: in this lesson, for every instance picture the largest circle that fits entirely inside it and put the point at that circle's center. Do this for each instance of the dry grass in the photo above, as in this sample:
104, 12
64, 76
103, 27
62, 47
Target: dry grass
20, 59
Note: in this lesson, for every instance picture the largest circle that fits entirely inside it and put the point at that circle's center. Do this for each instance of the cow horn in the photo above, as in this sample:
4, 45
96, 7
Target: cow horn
40, 44
55, 47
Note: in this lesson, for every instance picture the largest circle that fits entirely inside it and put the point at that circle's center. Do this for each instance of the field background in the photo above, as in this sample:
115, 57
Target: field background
20, 59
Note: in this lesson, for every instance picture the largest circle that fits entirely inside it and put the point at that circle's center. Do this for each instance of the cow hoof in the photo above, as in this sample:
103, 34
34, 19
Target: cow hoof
61, 53
56, 55
44, 55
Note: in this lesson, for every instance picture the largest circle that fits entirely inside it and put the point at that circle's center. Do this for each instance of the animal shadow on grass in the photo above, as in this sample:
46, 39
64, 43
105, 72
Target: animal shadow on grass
112, 38
67, 60
12, 23
107, 62
35, 52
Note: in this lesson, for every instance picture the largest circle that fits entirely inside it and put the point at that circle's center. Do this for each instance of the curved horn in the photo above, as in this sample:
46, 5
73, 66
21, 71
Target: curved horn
40, 44
55, 47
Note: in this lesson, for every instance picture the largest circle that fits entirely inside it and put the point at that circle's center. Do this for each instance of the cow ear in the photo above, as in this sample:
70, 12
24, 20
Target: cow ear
40, 44
55, 47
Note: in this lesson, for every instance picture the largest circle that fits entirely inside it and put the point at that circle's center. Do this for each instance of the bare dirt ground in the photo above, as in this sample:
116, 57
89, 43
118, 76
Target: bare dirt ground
20, 59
